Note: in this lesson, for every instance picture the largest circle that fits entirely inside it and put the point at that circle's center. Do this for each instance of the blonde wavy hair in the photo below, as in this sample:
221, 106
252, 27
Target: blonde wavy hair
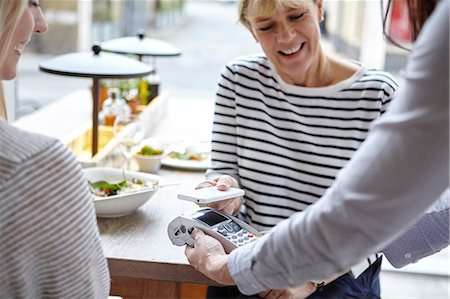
10, 13
249, 8
2, 103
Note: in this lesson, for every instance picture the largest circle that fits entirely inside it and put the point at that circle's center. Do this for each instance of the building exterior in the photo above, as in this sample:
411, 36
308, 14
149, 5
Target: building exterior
354, 27
74, 25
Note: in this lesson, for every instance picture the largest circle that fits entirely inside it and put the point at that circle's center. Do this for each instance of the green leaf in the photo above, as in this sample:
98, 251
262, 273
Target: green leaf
103, 185
149, 151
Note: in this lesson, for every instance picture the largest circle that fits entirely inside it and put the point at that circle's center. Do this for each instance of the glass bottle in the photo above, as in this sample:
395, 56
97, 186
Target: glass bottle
113, 106
149, 87
153, 85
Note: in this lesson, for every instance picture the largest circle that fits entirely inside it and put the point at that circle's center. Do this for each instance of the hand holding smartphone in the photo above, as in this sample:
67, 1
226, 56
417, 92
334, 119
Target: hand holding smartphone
210, 195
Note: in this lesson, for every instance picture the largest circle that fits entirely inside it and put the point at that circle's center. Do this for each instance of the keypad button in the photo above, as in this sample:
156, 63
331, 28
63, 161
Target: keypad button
228, 228
235, 227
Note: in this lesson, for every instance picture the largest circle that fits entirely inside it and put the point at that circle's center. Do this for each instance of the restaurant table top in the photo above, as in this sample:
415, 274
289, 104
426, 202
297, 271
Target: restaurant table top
137, 246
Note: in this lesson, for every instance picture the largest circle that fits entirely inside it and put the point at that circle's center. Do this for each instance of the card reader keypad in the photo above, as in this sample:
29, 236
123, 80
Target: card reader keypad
233, 232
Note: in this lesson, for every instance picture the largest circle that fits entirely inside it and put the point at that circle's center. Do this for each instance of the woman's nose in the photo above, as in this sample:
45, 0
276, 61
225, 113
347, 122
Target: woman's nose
40, 24
285, 33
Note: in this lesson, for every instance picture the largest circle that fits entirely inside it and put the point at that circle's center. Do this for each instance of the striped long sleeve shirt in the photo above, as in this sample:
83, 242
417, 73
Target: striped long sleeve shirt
49, 239
285, 143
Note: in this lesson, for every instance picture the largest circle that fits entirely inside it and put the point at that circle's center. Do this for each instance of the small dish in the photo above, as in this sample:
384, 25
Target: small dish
121, 204
148, 163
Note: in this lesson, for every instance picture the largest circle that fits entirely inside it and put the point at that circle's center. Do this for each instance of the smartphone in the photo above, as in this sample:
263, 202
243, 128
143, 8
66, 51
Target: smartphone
230, 231
210, 195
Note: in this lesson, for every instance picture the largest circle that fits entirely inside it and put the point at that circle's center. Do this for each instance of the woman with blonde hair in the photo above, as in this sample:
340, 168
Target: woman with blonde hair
286, 121
49, 239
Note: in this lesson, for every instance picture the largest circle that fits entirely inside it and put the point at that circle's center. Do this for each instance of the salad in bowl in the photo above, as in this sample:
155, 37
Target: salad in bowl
117, 192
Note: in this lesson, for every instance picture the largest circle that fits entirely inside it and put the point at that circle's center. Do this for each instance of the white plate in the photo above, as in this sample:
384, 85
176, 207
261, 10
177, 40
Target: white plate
122, 204
186, 164
199, 146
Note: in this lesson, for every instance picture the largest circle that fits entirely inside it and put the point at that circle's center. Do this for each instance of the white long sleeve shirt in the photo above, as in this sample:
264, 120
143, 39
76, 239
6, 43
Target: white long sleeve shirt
391, 180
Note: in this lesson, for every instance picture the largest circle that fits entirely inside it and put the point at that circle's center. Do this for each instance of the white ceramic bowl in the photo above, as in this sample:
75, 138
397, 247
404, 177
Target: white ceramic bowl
122, 204
148, 163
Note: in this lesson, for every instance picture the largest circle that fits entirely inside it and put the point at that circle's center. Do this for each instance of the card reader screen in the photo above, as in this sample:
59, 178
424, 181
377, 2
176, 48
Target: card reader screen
211, 218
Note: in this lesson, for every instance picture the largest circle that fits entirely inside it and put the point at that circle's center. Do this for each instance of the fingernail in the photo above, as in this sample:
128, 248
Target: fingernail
222, 187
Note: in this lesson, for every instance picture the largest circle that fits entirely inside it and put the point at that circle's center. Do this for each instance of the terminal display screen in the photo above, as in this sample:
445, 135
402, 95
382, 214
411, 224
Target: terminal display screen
211, 218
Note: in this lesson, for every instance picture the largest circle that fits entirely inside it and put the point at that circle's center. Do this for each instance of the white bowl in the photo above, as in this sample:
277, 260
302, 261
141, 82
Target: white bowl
148, 163
122, 204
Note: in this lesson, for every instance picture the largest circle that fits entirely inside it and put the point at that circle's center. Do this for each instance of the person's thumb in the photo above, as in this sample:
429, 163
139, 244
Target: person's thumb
196, 234
226, 182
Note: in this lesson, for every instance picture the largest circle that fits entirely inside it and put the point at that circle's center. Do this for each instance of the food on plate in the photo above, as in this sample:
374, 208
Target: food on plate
194, 155
105, 189
188, 155
148, 150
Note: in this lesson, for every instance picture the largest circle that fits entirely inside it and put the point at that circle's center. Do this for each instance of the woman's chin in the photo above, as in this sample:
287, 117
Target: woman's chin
8, 75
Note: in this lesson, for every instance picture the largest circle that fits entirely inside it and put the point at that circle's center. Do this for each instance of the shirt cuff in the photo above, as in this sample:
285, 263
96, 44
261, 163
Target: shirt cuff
399, 253
240, 269
427, 236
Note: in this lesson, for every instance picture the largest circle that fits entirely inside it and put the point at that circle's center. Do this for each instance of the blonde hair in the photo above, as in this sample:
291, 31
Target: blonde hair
250, 8
2, 103
10, 13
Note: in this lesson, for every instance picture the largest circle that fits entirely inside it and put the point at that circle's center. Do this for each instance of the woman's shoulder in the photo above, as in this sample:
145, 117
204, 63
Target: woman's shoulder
368, 72
254, 61
369, 77
21, 142
19, 147
379, 74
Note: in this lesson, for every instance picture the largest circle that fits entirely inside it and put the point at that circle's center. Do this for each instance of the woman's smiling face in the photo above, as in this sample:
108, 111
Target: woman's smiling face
290, 37
30, 21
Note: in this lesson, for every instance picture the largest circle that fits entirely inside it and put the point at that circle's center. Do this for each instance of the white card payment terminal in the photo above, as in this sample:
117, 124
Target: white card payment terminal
230, 231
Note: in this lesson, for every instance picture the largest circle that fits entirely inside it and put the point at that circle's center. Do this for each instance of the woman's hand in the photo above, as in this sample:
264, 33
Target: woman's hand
208, 257
230, 206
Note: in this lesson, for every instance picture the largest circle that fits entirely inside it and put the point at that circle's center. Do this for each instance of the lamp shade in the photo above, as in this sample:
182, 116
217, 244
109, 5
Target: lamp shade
140, 45
95, 64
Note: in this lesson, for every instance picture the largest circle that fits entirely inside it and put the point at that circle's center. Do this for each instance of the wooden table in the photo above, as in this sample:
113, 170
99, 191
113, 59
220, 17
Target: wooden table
142, 260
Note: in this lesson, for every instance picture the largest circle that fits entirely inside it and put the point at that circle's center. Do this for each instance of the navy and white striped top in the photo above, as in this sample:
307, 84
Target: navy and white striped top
49, 239
285, 143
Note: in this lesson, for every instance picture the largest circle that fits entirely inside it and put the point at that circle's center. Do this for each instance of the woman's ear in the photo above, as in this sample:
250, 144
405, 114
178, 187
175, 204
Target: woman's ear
320, 16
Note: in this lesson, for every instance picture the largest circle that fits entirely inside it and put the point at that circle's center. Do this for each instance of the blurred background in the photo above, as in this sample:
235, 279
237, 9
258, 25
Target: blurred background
208, 34
205, 30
